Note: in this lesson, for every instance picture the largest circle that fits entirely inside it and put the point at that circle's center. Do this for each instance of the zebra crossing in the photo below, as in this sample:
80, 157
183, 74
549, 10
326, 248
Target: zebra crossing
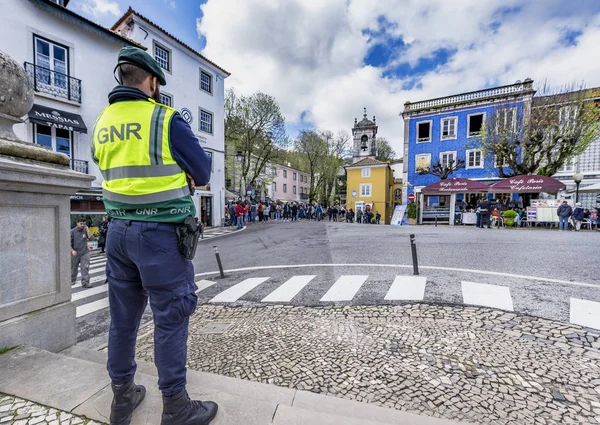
343, 290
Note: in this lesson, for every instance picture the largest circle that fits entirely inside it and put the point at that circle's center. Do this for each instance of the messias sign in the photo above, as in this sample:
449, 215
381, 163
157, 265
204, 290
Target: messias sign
55, 119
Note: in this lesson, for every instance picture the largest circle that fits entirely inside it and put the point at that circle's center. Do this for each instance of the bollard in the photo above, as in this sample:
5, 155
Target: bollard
435, 221
219, 261
201, 231
413, 248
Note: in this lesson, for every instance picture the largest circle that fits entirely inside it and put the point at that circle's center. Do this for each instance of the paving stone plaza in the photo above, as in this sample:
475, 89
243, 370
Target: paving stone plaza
16, 411
473, 364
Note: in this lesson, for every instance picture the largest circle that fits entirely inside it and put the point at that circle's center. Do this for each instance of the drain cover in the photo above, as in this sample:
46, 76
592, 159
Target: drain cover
215, 328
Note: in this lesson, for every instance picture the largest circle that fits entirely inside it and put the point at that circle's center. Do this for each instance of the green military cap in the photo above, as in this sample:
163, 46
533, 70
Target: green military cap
138, 57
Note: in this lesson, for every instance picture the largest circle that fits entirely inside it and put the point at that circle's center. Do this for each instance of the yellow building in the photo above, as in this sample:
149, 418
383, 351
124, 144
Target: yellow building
370, 182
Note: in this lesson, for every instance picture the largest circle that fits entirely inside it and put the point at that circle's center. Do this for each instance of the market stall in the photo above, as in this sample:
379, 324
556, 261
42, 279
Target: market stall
439, 201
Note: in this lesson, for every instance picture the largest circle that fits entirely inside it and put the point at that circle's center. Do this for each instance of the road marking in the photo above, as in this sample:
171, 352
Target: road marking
407, 288
237, 291
203, 284
93, 271
404, 266
482, 294
86, 309
289, 289
89, 292
345, 288
95, 279
585, 313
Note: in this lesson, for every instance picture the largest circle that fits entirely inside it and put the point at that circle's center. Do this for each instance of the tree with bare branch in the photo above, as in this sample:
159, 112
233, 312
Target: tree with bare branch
443, 170
541, 139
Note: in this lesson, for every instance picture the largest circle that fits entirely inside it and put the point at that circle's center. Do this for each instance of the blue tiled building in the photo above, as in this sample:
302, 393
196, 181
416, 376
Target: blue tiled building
446, 129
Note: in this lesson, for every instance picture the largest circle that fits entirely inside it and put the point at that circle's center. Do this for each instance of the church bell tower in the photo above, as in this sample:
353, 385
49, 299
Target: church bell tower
364, 133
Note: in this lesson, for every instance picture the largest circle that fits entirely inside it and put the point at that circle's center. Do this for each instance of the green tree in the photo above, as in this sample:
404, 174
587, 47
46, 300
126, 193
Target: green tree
255, 127
384, 150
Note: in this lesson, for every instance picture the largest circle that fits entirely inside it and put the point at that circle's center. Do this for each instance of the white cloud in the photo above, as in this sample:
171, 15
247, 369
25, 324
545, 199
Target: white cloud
100, 8
310, 54
172, 4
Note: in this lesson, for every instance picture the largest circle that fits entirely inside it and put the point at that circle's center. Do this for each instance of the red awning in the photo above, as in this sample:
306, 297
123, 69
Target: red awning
456, 185
528, 184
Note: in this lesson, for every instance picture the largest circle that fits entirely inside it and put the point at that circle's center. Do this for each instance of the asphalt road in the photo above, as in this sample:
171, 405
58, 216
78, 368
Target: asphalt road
531, 271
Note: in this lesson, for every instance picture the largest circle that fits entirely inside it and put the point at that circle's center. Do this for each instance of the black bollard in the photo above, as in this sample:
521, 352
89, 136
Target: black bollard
436, 221
219, 261
413, 248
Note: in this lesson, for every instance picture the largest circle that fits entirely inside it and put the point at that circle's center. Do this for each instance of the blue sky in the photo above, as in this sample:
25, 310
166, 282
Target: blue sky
326, 60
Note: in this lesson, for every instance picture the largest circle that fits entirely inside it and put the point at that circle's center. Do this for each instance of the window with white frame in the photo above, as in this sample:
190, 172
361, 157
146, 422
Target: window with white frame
423, 161
57, 139
497, 163
365, 189
166, 99
424, 131
206, 81
274, 186
567, 115
284, 188
447, 159
294, 189
448, 128
285, 174
294, 176
474, 159
51, 62
206, 121
474, 124
162, 57
366, 172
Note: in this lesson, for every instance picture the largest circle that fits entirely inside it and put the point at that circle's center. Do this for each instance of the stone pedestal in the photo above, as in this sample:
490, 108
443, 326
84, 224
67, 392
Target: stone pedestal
35, 254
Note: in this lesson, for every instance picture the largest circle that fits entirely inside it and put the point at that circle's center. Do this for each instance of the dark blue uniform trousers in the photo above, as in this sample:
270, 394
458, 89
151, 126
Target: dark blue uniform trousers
143, 261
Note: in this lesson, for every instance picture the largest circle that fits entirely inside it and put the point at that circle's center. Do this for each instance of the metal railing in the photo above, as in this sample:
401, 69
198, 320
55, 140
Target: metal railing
54, 83
79, 165
510, 90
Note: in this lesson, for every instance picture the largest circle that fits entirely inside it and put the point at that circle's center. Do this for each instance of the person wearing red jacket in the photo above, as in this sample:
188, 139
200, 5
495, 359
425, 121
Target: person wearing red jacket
239, 215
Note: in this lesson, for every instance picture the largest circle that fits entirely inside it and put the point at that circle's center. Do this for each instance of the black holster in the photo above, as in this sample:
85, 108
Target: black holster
188, 235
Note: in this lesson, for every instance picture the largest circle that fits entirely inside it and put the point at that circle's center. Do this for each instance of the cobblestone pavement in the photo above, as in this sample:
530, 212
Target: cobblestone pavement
17, 411
473, 364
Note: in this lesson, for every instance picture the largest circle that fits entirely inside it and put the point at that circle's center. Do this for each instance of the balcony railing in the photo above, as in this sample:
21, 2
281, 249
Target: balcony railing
54, 83
79, 165
503, 91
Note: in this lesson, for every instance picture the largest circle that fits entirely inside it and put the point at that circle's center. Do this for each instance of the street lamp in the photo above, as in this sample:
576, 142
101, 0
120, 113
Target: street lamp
578, 178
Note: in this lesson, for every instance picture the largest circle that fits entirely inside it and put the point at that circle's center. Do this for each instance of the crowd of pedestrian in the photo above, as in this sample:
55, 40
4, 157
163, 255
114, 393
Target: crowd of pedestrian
240, 213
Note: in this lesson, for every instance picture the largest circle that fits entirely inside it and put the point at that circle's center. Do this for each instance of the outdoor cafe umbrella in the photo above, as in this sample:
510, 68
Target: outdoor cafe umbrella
595, 188
528, 184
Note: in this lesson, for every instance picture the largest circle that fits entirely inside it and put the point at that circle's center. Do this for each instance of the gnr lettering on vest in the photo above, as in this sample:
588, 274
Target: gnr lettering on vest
147, 211
124, 132
186, 210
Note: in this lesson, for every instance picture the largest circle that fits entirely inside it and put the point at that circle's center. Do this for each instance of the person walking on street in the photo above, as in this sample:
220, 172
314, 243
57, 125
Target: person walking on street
232, 216
102, 231
377, 217
577, 216
80, 252
564, 212
484, 213
150, 167
239, 215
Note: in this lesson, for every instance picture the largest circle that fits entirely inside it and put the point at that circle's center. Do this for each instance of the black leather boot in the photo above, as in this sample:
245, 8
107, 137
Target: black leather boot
180, 410
126, 398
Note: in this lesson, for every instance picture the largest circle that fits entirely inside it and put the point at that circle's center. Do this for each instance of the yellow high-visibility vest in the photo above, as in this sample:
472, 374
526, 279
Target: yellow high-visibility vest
131, 146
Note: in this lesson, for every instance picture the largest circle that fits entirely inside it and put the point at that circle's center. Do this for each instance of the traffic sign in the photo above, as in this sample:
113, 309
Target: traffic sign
411, 197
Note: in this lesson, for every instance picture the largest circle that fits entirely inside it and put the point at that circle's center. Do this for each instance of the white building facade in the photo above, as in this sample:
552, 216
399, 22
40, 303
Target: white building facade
195, 87
70, 61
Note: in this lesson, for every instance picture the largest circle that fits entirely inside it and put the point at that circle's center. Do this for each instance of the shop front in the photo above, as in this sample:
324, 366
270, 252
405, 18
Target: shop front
450, 201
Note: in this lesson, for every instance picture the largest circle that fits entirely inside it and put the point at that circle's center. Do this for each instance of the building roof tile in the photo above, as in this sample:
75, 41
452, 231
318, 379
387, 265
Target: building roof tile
366, 162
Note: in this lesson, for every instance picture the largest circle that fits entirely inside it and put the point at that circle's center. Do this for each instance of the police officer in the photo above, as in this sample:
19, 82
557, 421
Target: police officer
146, 153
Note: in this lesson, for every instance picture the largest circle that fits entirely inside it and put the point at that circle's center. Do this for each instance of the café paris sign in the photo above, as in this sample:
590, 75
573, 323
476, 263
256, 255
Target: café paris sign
453, 186
522, 183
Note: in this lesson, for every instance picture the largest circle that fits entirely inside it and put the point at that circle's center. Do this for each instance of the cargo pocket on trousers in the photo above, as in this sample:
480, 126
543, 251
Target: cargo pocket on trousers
185, 300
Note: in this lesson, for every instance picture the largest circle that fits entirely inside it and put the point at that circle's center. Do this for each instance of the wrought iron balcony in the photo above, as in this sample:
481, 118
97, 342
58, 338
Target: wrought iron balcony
79, 165
54, 83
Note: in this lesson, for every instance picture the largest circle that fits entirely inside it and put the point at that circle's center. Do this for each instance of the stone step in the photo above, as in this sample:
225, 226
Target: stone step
76, 381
